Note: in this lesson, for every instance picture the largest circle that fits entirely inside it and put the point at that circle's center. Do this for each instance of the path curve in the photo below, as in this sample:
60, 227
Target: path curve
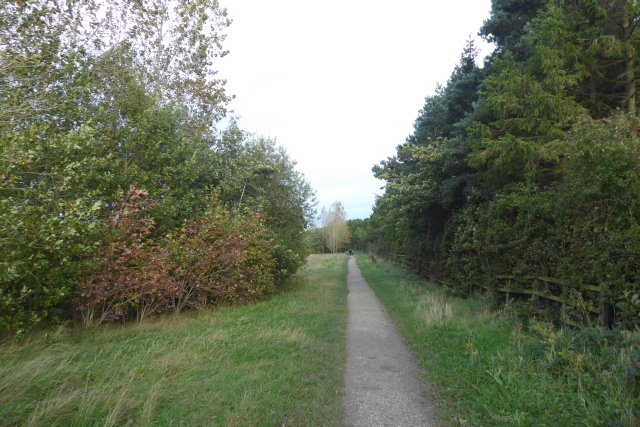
382, 387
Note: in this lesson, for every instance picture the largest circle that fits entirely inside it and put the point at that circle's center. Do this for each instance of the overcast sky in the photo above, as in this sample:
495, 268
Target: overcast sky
339, 83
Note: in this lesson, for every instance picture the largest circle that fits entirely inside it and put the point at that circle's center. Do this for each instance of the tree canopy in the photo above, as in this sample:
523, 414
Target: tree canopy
522, 166
119, 194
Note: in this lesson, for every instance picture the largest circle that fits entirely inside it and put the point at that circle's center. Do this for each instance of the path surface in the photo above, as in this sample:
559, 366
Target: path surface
382, 387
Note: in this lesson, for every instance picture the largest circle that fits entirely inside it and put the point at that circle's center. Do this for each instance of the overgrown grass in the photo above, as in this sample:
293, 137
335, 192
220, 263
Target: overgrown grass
277, 362
494, 368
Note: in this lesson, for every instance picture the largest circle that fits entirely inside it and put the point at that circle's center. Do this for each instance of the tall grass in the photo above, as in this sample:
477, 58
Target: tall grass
277, 362
502, 368
432, 309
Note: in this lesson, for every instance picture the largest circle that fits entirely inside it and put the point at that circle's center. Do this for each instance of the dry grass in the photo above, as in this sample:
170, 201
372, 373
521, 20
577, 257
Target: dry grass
433, 310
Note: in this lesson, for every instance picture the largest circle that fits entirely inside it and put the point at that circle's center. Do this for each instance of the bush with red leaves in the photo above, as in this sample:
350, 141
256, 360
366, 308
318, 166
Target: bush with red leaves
132, 272
221, 260
212, 260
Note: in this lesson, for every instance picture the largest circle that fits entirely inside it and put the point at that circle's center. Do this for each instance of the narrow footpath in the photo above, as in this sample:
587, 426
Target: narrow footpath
382, 387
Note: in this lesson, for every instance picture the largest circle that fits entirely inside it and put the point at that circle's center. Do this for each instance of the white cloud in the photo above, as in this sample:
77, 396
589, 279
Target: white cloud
339, 83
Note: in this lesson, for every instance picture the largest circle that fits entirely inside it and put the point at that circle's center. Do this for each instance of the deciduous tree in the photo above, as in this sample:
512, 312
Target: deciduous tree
334, 227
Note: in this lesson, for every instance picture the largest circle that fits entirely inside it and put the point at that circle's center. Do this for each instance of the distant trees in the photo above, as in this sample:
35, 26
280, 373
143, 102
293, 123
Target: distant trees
362, 234
314, 240
334, 229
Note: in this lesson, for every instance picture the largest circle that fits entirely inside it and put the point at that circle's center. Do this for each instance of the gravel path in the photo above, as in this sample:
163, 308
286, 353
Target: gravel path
382, 387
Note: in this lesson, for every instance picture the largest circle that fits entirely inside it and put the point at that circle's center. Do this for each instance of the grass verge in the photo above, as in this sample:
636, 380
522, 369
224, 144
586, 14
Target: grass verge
495, 368
275, 363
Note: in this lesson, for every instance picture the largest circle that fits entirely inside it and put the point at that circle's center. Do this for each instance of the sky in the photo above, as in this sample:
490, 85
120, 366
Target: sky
340, 83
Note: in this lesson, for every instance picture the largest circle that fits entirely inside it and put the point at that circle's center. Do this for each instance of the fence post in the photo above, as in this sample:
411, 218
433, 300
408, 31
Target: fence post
534, 298
563, 308
606, 313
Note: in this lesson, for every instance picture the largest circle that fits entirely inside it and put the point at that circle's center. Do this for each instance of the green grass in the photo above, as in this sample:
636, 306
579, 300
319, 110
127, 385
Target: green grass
494, 368
276, 362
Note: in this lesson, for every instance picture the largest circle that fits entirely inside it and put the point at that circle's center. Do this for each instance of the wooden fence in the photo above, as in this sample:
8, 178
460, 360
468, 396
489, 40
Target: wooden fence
539, 289
541, 283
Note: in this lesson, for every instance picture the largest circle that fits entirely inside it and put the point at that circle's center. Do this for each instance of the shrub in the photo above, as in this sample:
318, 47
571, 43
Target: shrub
131, 271
211, 260
220, 260
581, 229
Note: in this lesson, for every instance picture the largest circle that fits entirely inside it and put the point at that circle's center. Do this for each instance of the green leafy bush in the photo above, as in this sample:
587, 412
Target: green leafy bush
87, 112
221, 260
582, 229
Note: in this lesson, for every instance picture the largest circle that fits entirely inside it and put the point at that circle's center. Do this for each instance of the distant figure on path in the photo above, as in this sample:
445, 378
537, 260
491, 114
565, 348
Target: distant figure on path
351, 252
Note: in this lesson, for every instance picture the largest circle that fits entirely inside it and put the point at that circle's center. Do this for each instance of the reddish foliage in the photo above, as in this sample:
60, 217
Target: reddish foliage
132, 272
214, 259
221, 261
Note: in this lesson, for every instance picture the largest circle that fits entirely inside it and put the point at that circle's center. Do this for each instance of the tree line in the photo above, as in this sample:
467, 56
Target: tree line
119, 195
526, 166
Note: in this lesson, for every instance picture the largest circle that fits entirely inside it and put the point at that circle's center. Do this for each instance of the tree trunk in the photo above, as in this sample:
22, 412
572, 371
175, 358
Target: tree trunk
593, 92
630, 88
631, 85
